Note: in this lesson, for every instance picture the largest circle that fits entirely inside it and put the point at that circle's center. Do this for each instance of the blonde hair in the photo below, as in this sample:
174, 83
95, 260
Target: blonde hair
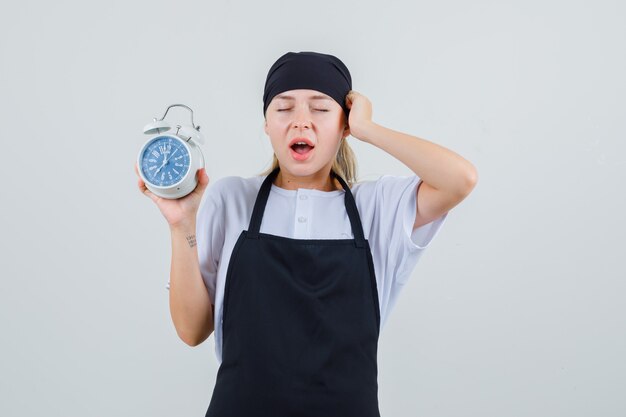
344, 164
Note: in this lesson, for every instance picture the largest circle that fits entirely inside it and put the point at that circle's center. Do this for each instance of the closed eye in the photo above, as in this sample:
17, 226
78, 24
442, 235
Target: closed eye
322, 110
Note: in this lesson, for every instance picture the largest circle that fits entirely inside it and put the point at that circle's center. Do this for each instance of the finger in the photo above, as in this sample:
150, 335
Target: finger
149, 193
152, 196
140, 183
204, 175
203, 178
142, 186
203, 181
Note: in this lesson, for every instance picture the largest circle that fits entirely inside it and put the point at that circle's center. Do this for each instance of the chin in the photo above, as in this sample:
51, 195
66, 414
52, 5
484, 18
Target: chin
299, 169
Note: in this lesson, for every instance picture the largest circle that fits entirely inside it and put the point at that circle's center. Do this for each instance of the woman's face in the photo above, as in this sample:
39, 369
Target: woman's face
307, 116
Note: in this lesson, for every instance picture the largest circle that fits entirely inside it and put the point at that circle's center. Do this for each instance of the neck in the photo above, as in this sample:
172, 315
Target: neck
319, 181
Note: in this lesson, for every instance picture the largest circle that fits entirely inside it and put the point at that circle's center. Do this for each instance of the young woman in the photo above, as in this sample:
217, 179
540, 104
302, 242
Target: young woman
297, 269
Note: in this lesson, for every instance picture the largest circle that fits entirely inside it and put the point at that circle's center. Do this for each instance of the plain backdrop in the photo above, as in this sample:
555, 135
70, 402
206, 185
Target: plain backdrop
516, 308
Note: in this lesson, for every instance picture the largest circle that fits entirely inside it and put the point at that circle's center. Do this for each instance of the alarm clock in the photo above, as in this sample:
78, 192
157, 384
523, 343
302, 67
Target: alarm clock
169, 159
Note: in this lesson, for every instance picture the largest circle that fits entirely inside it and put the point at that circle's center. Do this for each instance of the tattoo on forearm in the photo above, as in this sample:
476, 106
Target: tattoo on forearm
191, 239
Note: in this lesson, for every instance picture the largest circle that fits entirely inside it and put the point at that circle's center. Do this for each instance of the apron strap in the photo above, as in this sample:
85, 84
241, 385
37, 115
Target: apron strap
259, 205
261, 202
353, 213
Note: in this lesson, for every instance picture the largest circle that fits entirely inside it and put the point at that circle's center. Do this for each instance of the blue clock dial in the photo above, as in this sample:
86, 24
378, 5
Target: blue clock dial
165, 161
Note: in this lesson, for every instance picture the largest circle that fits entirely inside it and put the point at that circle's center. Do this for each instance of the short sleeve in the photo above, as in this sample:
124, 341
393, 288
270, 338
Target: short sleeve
421, 237
396, 207
210, 240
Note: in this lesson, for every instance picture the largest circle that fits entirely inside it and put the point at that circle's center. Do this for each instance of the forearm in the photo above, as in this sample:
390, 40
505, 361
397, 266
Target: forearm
437, 166
190, 305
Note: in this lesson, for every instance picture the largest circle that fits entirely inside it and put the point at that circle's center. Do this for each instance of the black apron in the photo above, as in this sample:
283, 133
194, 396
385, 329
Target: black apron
300, 324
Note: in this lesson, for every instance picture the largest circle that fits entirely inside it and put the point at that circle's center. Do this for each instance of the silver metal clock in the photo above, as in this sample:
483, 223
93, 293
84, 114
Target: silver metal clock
169, 159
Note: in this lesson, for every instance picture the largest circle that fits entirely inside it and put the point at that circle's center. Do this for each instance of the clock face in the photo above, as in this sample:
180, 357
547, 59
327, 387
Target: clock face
165, 161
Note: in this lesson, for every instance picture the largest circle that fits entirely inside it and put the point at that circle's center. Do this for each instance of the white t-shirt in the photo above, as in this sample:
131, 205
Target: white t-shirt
386, 206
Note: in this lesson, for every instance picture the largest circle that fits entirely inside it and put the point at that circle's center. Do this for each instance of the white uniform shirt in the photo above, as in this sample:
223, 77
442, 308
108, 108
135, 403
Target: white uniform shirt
386, 206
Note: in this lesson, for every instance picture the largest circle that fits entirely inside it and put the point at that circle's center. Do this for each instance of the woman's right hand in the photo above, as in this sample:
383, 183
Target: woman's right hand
182, 210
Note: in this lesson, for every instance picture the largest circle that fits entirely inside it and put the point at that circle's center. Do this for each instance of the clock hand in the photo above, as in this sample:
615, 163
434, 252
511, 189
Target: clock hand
170, 157
165, 161
157, 171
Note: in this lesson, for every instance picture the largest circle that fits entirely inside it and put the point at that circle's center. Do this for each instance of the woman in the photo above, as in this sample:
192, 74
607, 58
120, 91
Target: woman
296, 270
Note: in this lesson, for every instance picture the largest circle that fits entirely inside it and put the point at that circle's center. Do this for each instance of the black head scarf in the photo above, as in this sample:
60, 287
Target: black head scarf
311, 71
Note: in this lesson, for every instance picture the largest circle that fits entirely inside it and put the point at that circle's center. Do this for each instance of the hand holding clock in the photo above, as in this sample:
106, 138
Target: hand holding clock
179, 211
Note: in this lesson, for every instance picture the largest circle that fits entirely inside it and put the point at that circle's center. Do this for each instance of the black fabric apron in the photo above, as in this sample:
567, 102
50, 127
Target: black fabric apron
300, 324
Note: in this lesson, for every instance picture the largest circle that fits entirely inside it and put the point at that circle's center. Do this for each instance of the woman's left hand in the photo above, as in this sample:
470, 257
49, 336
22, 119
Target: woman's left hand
360, 113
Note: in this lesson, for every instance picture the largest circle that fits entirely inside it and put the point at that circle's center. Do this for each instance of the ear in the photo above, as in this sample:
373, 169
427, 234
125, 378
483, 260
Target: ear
265, 127
346, 131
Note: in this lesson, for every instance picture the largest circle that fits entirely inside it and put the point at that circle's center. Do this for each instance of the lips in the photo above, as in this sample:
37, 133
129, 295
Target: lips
301, 148
304, 140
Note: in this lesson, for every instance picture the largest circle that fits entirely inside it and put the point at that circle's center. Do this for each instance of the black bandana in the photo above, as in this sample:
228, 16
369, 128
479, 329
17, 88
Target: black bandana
311, 71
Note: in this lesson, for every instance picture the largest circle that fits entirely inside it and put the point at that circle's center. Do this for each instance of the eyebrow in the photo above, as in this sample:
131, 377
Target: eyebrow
316, 97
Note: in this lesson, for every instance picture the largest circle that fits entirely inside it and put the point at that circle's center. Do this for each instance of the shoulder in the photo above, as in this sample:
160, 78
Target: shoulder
233, 188
388, 186
226, 184
389, 200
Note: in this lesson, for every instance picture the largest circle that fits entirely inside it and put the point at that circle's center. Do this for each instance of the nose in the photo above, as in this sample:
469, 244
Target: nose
301, 119
302, 124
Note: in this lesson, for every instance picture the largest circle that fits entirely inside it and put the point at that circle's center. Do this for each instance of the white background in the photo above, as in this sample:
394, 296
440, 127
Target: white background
516, 309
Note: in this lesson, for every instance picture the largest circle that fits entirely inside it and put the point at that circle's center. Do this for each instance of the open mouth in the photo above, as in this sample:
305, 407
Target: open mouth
300, 150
